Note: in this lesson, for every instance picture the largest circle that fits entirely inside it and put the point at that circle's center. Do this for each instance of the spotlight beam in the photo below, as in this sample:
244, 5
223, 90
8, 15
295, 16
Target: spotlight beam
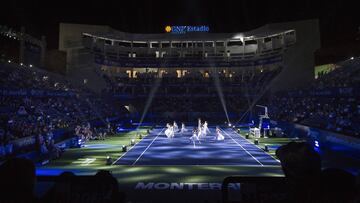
264, 90
220, 92
149, 100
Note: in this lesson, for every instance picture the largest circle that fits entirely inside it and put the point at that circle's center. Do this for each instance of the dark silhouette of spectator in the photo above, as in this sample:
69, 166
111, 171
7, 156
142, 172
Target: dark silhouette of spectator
110, 185
337, 186
102, 187
301, 165
60, 192
17, 180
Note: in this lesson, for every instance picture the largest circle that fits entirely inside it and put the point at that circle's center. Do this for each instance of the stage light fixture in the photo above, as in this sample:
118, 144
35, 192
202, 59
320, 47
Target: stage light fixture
229, 124
132, 142
124, 148
316, 143
108, 160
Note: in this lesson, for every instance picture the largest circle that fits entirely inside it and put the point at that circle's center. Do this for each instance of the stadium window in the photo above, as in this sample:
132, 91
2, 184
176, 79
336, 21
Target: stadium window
129, 73
267, 39
184, 44
178, 72
250, 42
140, 45
190, 44
165, 45
176, 44
234, 43
124, 44
219, 44
199, 44
209, 44
155, 45
108, 42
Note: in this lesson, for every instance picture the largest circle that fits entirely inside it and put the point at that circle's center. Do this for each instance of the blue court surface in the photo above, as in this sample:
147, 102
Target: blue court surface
157, 149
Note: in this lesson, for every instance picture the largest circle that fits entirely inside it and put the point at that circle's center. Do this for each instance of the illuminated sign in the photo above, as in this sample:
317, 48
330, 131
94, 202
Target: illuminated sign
185, 29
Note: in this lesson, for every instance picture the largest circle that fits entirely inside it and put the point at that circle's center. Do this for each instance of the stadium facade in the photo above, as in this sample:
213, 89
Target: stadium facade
101, 47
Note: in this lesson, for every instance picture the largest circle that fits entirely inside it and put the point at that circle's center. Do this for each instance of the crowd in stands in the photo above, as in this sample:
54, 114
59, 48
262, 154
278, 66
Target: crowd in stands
42, 116
339, 113
194, 92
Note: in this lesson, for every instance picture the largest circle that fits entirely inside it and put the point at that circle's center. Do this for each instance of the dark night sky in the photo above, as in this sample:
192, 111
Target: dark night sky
339, 20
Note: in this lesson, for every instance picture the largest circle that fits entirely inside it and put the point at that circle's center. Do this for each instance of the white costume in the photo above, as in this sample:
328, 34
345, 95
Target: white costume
183, 129
169, 132
205, 129
176, 128
218, 135
195, 137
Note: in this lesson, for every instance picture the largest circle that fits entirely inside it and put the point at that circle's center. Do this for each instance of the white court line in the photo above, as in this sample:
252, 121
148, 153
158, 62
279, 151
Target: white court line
127, 151
256, 146
147, 148
242, 148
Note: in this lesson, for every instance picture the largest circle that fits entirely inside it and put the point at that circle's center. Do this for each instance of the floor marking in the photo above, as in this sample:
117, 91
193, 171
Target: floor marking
255, 145
242, 147
147, 147
126, 152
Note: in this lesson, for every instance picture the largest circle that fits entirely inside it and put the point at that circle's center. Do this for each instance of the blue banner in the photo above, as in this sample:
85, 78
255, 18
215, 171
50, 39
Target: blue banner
327, 92
35, 93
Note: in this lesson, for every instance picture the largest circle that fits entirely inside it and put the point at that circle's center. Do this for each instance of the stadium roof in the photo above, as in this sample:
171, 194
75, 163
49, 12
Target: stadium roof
261, 32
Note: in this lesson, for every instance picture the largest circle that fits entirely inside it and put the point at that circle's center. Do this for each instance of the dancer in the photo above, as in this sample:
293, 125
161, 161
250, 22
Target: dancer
176, 128
195, 137
218, 135
172, 132
168, 130
205, 129
183, 129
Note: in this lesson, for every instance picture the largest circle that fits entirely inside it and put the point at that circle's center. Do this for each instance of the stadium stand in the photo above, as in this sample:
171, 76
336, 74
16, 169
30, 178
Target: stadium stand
40, 105
331, 102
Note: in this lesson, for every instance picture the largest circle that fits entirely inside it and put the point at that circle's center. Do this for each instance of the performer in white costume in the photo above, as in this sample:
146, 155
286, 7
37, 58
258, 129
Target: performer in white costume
218, 135
169, 131
195, 137
176, 127
205, 129
183, 129
172, 132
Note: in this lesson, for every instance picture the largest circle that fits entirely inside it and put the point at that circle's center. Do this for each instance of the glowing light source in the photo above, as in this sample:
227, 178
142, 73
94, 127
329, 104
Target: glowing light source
31, 65
229, 124
108, 160
21, 64
352, 58
316, 143
9, 61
